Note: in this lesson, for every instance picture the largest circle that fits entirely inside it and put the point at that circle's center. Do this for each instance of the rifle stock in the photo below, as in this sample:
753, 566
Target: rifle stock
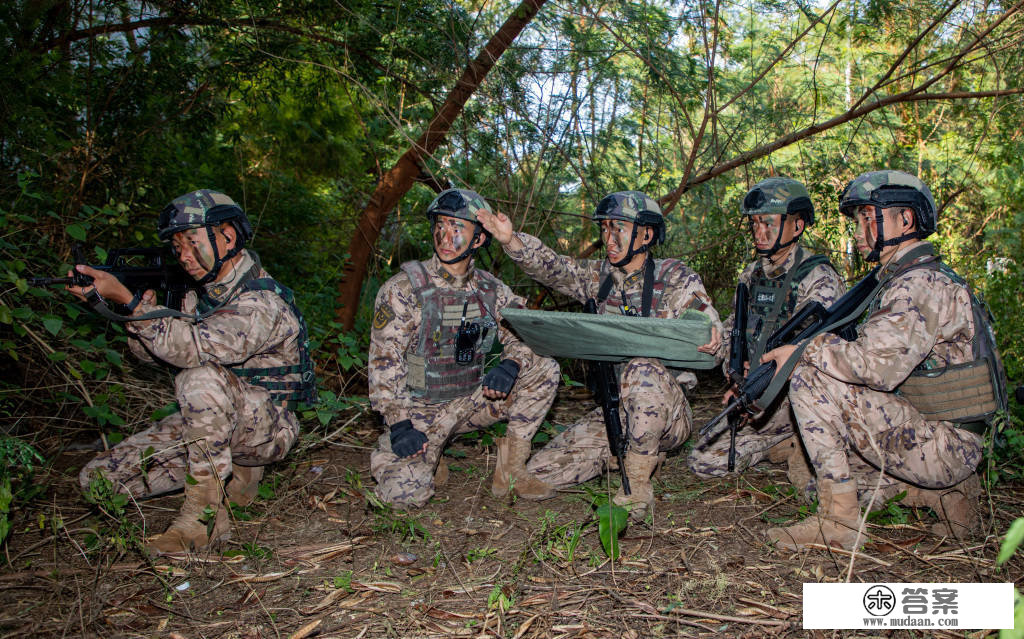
604, 384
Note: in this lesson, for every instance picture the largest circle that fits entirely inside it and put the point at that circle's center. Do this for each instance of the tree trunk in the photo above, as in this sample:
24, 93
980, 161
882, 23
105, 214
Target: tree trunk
399, 179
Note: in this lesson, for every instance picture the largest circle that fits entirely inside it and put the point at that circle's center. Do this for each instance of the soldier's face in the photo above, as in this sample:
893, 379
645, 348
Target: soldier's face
765, 230
194, 251
616, 235
867, 228
452, 236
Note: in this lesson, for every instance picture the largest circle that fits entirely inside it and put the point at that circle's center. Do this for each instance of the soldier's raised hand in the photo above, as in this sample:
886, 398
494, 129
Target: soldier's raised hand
498, 225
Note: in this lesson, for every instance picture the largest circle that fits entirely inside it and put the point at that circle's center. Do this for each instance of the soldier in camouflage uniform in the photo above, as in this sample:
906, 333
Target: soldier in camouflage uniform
629, 281
244, 362
433, 326
906, 404
784, 278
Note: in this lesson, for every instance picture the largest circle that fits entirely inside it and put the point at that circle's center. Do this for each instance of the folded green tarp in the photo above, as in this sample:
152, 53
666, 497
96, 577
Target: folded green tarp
614, 338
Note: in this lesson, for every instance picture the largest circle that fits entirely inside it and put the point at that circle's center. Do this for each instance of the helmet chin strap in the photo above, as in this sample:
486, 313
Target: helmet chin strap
218, 260
880, 242
778, 246
631, 252
467, 253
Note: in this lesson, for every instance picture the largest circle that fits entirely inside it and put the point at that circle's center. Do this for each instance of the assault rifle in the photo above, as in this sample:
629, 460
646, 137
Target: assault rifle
139, 269
604, 384
750, 395
737, 358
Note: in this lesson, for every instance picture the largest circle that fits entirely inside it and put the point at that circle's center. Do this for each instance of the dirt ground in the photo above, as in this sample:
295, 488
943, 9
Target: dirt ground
312, 558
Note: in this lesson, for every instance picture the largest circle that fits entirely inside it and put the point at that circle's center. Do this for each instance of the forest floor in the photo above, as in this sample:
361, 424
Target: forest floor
312, 558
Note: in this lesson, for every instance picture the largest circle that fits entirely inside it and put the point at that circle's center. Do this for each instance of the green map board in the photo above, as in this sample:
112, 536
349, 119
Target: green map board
614, 338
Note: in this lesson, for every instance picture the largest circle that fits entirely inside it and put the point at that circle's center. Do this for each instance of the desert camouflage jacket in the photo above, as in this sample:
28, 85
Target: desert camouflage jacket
255, 329
920, 315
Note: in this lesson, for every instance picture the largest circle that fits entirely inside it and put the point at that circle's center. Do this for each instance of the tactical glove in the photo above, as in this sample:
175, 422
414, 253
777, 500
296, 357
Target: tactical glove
406, 440
502, 377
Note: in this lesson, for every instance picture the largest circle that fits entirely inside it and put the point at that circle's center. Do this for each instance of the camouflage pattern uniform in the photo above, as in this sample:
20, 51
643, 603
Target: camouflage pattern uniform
652, 398
849, 417
409, 482
759, 435
223, 419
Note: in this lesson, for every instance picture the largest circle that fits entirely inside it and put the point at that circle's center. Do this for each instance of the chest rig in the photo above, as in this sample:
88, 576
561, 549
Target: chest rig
292, 383
433, 373
772, 301
968, 394
638, 303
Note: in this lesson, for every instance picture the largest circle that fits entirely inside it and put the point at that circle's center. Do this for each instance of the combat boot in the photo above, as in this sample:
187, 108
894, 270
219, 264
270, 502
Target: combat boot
639, 469
244, 484
188, 530
510, 472
798, 471
958, 508
835, 523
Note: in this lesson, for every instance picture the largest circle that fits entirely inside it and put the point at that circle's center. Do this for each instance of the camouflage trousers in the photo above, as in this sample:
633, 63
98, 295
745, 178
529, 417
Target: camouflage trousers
652, 404
408, 482
753, 441
851, 431
222, 420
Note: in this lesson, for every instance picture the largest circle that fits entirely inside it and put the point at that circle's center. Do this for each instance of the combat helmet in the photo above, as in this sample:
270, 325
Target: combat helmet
210, 209
887, 189
635, 207
462, 204
779, 196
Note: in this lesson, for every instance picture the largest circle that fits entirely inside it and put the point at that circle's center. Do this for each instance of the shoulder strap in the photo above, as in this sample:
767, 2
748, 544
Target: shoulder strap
418, 277
647, 295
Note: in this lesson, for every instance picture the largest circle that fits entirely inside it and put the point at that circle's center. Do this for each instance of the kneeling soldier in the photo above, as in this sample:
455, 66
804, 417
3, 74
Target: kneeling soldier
433, 326
630, 282
243, 351
911, 397
786, 277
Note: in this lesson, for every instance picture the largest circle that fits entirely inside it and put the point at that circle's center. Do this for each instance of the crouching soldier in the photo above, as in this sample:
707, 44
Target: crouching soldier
785, 277
629, 282
433, 326
912, 396
241, 345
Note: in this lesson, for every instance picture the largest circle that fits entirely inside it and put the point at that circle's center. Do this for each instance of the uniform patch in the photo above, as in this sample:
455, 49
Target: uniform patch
383, 315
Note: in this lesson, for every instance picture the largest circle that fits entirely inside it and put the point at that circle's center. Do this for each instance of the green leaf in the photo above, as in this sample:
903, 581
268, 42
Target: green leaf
57, 356
611, 521
190, 480
53, 325
1014, 537
114, 437
166, 411
76, 232
265, 491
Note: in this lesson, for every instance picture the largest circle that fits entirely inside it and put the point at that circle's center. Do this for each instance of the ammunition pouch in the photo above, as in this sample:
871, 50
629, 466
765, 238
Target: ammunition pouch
961, 393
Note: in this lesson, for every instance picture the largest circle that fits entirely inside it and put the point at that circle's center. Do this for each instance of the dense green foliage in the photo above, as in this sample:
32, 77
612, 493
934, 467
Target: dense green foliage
111, 109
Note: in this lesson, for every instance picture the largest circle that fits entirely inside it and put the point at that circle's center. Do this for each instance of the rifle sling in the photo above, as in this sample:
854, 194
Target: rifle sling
781, 377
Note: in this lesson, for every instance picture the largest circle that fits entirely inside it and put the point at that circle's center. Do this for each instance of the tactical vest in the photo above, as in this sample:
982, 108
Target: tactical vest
772, 301
633, 303
294, 383
967, 394
433, 373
